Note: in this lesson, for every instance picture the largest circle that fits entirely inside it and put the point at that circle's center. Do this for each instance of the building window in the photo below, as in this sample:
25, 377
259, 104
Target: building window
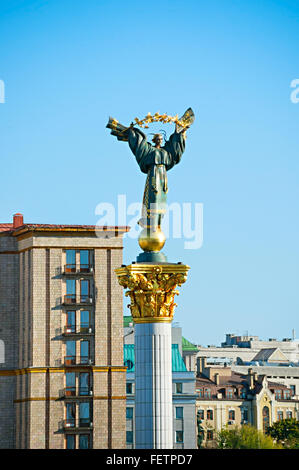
70, 441
207, 393
129, 412
70, 415
293, 390
129, 364
70, 256
179, 387
84, 414
179, 437
84, 384
84, 352
231, 415
179, 410
84, 441
279, 415
244, 415
287, 394
129, 388
70, 357
70, 384
278, 394
209, 435
70, 321
289, 414
84, 261
84, 290
200, 414
210, 414
70, 291
84, 321
129, 437
243, 393
229, 393
266, 418
200, 392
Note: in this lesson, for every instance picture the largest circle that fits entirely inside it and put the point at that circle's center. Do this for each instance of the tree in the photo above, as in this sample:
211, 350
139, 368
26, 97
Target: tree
286, 431
245, 437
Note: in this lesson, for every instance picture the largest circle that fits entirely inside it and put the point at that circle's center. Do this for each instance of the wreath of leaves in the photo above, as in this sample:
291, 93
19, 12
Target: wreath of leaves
157, 117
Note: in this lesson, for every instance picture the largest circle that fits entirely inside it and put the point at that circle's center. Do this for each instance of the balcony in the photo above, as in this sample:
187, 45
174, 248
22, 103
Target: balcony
78, 361
72, 269
73, 392
86, 329
83, 329
69, 330
71, 299
86, 269
85, 299
69, 392
71, 424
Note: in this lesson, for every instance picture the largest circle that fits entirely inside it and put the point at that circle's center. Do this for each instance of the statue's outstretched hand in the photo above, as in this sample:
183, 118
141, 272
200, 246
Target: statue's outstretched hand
182, 130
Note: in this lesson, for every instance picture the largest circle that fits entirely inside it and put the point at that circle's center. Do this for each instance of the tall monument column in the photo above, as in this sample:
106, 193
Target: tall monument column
152, 289
152, 281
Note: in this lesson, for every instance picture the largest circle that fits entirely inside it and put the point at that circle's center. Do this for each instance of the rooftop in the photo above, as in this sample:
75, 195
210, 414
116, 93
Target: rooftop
18, 227
187, 346
178, 364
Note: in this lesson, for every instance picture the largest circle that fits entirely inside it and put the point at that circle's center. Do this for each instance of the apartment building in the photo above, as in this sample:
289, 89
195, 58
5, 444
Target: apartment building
62, 378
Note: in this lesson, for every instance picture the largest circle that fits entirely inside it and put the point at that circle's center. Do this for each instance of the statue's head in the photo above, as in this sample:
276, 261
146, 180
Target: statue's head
158, 140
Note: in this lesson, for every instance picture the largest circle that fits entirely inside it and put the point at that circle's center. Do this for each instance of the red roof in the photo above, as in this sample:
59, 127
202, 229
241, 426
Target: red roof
5, 227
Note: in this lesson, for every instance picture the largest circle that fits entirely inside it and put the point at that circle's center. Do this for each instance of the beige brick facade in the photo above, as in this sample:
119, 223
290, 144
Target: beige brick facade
35, 403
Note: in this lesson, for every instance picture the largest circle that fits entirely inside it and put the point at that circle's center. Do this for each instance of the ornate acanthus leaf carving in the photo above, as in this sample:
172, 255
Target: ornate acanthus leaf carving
152, 292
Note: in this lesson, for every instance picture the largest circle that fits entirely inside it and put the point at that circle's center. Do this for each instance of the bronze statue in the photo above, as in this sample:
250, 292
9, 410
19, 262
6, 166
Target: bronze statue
154, 160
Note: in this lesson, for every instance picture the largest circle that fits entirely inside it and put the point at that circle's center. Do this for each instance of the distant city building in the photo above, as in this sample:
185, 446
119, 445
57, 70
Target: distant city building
189, 352
244, 350
62, 382
229, 398
284, 374
183, 382
288, 346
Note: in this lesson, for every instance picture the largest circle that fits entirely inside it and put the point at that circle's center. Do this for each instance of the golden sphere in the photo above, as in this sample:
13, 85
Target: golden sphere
150, 240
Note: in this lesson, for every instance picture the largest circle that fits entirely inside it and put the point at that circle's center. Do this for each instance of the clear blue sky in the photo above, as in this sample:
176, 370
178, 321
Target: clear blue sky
68, 65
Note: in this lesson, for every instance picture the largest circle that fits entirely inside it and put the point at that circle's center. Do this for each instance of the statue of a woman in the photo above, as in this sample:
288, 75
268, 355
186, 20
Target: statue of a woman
154, 160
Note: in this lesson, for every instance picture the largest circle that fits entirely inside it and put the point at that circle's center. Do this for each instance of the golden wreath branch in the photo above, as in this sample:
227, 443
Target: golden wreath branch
164, 118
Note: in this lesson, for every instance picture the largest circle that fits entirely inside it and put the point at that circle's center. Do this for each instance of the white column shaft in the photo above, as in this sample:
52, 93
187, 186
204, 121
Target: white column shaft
153, 386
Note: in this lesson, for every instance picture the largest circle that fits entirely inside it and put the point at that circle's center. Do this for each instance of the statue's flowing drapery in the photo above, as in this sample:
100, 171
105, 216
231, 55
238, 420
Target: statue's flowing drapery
155, 162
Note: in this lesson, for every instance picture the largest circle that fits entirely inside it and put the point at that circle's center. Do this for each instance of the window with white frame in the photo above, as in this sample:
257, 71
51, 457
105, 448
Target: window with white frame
179, 412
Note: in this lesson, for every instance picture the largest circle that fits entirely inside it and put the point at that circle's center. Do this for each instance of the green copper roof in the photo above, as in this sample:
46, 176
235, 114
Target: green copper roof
187, 346
128, 319
178, 364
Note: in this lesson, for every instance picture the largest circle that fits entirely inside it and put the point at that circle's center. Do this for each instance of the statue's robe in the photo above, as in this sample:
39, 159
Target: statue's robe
155, 162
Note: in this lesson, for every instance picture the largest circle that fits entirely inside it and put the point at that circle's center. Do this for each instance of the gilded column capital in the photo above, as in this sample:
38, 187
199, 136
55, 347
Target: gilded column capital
152, 289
